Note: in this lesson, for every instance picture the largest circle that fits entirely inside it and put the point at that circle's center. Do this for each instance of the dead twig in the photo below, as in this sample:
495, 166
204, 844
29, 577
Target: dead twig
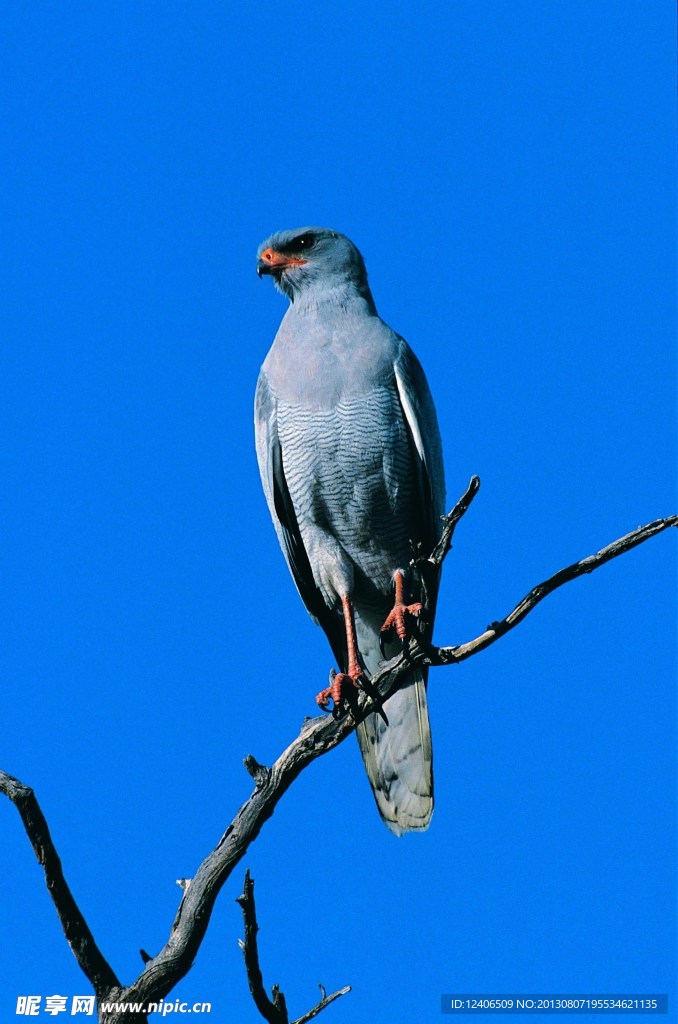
273, 1010
448, 655
85, 950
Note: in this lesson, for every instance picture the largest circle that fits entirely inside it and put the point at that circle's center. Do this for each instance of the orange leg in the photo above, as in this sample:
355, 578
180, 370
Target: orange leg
342, 679
396, 617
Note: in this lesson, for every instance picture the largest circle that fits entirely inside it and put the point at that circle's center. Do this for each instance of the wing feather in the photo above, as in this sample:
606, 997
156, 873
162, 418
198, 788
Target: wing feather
271, 467
422, 423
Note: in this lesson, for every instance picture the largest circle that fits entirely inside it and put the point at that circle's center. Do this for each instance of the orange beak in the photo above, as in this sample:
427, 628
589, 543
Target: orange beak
271, 261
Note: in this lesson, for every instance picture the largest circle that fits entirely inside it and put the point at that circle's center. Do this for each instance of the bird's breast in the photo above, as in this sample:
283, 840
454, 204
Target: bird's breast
348, 469
321, 364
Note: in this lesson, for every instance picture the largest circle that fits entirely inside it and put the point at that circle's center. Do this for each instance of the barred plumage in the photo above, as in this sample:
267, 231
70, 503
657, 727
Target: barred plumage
350, 458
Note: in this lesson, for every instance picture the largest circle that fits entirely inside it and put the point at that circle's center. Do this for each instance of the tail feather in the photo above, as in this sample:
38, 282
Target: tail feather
399, 758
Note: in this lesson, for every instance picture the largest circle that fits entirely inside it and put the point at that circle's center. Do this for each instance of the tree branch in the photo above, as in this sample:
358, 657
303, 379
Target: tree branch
325, 1001
274, 1011
444, 545
317, 737
274, 1014
449, 655
85, 950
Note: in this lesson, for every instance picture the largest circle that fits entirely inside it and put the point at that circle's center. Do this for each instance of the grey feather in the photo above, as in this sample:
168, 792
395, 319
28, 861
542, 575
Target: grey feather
351, 463
269, 453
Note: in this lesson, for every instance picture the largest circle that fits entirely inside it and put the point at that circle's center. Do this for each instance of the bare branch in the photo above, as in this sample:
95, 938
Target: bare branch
79, 937
268, 1010
444, 545
449, 655
325, 1001
275, 1011
317, 737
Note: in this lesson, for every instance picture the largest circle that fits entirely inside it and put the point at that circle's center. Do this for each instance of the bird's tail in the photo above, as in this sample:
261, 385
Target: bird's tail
399, 756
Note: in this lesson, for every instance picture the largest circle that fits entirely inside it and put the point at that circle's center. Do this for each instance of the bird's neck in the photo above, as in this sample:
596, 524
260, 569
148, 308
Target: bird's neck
344, 296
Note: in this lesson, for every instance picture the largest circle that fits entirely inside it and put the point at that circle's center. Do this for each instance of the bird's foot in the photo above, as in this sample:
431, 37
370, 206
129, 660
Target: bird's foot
396, 620
337, 689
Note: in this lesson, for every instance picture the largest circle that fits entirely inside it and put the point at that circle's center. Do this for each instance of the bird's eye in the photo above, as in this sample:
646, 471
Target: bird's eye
304, 242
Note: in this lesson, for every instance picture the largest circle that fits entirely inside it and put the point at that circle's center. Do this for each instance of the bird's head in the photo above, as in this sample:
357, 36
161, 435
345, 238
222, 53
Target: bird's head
313, 263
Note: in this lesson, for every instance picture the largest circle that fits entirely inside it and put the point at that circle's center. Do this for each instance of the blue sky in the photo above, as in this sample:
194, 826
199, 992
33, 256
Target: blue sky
507, 171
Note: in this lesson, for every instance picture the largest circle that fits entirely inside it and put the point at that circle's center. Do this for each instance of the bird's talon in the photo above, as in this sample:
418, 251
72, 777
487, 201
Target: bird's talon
396, 619
336, 691
375, 697
323, 699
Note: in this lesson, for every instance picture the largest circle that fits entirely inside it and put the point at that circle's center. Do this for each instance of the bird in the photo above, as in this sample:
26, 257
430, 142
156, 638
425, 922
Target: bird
351, 463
